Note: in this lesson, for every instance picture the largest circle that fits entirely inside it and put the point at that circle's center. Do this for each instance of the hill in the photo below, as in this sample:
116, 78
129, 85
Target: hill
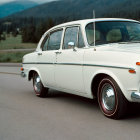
81, 9
33, 22
15, 6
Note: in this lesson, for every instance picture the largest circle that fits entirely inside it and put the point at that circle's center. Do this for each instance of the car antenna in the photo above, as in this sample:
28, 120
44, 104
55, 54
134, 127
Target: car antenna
94, 29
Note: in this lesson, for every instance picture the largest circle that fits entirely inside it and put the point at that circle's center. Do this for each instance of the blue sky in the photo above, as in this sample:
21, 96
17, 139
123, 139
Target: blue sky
38, 1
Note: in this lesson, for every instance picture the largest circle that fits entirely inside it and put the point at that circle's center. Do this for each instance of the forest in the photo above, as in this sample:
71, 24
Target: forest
32, 23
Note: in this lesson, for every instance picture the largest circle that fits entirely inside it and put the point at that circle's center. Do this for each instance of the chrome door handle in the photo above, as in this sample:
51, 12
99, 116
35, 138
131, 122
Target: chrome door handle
58, 52
39, 53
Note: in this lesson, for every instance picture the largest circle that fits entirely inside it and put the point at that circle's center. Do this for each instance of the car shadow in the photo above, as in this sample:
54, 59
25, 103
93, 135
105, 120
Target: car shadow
132, 113
74, 99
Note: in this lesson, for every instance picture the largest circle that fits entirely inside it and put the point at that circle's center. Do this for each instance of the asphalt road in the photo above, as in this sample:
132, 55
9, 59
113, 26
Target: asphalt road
23, 116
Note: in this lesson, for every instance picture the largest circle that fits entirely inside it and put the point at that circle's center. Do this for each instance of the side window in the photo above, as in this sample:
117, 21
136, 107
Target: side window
55, 40
70, 36
45, 43
80, 40
134, 32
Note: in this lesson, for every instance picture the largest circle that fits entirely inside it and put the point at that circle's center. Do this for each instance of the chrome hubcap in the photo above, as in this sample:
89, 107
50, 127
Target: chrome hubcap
108, 97
37, 83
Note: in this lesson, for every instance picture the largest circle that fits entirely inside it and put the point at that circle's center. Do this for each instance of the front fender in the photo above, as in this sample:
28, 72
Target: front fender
117, 77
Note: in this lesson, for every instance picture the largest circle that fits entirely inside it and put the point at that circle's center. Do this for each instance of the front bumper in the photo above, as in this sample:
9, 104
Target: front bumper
135, 96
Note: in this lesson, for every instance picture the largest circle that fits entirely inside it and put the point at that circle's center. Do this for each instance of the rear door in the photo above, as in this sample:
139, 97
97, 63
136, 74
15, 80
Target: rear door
47, 58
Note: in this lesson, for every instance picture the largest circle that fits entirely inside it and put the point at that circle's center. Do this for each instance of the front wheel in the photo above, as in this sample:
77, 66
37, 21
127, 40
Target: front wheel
39, 89
111, 100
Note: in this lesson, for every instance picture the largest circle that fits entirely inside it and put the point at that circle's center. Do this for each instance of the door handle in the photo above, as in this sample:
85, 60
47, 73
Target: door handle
39, 53
58, 52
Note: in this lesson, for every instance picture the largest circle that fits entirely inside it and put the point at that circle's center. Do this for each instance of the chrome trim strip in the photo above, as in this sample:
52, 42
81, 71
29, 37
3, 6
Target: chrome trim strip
37, 63
78, 64
108, 66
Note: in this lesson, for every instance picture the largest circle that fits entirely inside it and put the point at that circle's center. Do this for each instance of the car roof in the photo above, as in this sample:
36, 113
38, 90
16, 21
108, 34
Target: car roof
86, 21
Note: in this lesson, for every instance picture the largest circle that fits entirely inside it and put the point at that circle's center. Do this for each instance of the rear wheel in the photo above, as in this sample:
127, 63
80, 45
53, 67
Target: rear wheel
111, 100
39, 89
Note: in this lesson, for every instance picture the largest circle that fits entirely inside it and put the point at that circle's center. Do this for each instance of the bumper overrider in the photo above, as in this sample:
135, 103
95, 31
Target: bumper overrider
135, 96
23, 74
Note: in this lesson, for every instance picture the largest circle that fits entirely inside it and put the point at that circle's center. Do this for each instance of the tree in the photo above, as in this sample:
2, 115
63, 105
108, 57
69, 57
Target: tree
40, 30
50, 23
15, 33
28, 34
0, 36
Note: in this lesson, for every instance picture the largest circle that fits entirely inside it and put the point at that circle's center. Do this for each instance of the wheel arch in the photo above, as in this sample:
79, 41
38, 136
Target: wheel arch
30, 76
99, 76
31, 71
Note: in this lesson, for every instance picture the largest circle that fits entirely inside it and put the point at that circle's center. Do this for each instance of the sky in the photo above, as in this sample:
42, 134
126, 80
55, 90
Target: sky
38, 1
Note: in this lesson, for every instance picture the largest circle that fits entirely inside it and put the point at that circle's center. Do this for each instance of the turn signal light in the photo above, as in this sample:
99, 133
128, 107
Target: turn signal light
132, 71
21, 69
138, 63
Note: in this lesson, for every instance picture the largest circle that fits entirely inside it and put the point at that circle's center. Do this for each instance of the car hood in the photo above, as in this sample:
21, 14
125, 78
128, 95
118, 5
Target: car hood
120, 47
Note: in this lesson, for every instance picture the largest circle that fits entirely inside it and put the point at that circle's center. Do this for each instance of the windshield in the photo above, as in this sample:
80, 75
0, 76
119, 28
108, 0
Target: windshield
113, 32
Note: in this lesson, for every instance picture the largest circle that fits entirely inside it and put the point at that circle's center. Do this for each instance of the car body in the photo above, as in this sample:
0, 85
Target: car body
103, 63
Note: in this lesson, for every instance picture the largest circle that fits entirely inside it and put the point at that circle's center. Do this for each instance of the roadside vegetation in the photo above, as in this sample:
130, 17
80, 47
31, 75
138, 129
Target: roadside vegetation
11, 42
15, 38
24, 31
14, 42
14, 57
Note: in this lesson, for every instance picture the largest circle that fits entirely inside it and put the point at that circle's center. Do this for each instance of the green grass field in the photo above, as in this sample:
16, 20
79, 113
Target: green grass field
14, 57
15, 43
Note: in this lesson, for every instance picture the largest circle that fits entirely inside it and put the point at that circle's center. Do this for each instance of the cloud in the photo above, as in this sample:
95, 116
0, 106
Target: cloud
4, 1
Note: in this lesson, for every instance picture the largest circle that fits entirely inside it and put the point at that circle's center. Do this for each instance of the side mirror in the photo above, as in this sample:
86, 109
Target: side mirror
71, 45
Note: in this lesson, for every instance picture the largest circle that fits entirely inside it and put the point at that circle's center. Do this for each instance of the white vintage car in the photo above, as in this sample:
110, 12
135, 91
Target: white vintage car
102, 63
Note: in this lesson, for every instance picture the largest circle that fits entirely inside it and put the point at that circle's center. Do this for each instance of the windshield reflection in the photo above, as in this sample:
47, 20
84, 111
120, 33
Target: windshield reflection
113, 32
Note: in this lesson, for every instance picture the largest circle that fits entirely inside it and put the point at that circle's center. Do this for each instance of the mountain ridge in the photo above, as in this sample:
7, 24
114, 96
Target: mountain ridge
80, 8
9, 8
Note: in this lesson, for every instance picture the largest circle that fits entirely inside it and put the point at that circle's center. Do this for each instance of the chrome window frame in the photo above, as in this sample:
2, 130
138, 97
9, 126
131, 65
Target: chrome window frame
77, 40
48, 34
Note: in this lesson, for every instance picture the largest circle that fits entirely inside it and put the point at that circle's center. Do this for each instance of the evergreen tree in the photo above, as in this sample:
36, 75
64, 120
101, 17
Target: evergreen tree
40, 30
50, 23
28, 34
0, 36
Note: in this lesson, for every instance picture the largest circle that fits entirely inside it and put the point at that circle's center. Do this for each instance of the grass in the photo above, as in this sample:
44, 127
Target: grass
15, 43
14, 57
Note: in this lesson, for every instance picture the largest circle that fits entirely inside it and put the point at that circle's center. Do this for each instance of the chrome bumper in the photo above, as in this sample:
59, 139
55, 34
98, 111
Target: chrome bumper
23, 74
135, 96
